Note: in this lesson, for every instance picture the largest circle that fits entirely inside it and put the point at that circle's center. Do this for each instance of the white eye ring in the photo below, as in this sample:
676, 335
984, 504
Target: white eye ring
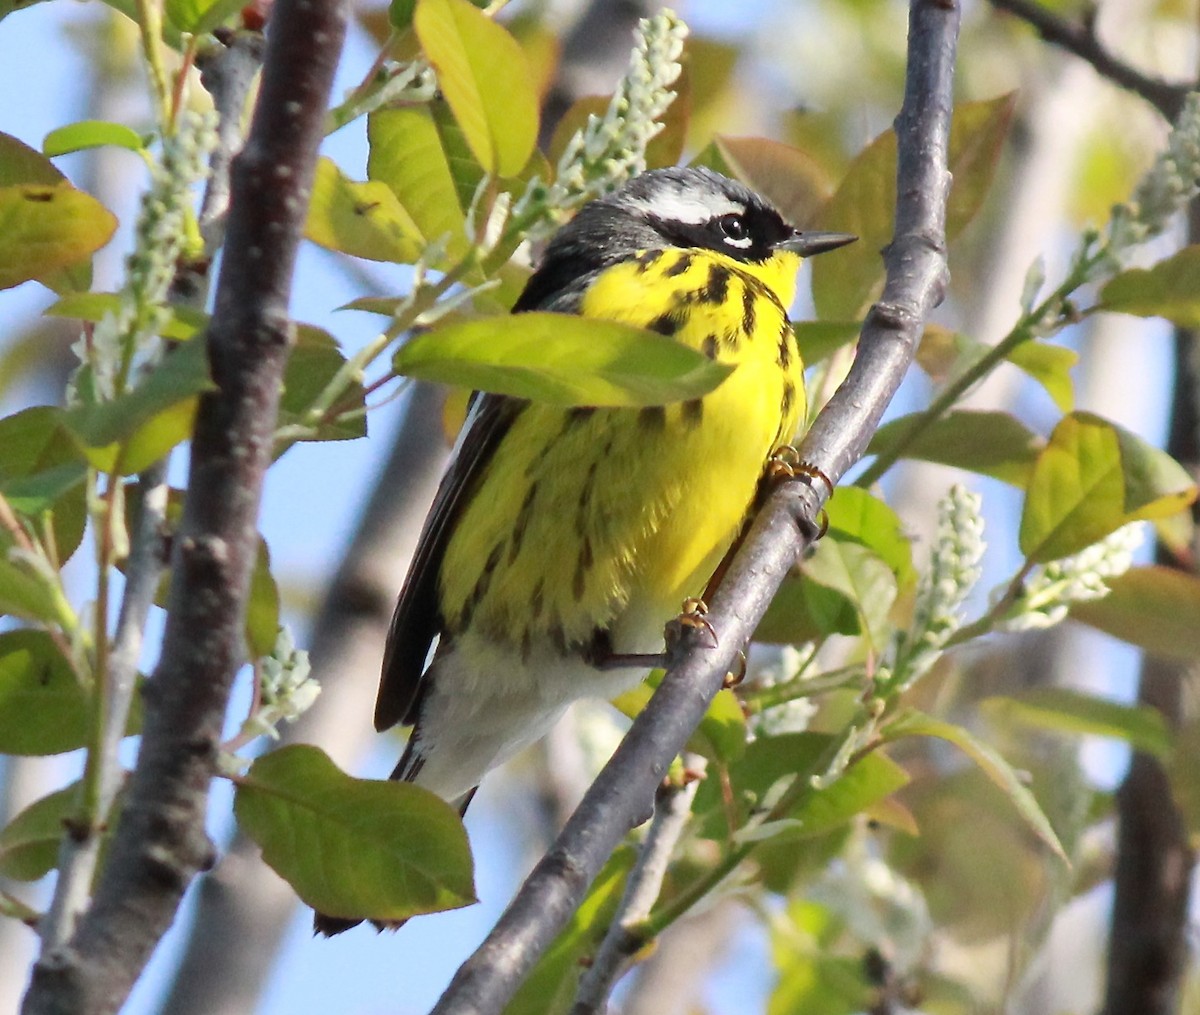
733, 231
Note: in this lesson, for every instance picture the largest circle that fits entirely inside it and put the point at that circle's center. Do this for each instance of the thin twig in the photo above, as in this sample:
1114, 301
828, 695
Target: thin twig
160, 843
1080, 38
785, 527
672, 807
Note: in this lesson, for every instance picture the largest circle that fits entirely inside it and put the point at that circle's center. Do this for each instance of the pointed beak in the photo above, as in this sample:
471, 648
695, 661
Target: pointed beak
807, 244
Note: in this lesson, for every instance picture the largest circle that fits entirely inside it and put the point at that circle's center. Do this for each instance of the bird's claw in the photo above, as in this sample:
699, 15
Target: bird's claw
733, 678
785, 464
693, 616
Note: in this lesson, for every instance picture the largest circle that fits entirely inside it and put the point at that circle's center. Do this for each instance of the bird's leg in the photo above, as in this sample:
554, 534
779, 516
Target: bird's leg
599, 653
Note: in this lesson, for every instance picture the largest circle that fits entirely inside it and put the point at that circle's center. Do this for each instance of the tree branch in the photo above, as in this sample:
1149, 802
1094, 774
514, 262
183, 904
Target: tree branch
80, 850
784, 528
160, 843
1081, 39
672, 808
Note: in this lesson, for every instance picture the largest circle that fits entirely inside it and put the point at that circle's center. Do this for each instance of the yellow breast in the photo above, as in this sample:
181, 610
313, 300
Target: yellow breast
585, 514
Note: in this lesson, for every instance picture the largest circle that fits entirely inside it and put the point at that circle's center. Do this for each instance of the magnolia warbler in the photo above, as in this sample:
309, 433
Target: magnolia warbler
562, 540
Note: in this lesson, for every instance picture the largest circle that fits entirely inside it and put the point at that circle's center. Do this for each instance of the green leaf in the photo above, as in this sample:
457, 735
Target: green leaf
76, 137
29, 844
916, 724
135, 430
39, 466
43, 707
721, 735
858, 573
25, 592
869, 779
483, 73
183, 323
818, 340
561, 359
313, 363
1050, 366
812, 977
865, 204
354, 847
363, 219
859, 516
45, 229
1092, 478
262, 607
407, 155
1066, 711
198, 16
803, 610
32, 495
1169, 289
989, 443
550, 987
1152, 607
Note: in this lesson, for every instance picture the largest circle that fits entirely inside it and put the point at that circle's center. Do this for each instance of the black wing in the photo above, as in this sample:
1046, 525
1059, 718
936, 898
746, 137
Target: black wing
417, 621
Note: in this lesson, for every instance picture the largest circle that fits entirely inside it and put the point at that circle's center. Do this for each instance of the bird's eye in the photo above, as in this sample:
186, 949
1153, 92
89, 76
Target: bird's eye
733, 230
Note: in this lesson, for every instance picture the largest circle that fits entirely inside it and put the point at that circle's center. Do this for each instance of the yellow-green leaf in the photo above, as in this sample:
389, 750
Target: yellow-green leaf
44, 229
136, 429
561, 359
1092, 478
76, 137
1050, 366
1169, 289
363, 219
859, 516
354, 847
407, 155
485, 77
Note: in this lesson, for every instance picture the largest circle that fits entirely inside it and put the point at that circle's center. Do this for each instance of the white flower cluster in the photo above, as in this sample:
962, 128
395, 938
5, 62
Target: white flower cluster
286, 689
413, 82
611, 149
1051, 588
1165, 189
791, 716
161, 234
952, 573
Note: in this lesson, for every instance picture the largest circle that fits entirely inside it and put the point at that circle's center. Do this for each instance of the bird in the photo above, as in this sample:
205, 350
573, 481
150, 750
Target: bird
562, 539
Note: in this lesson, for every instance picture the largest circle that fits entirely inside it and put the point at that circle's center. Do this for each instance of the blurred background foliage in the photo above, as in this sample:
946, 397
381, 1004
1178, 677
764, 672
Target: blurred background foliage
910, 878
